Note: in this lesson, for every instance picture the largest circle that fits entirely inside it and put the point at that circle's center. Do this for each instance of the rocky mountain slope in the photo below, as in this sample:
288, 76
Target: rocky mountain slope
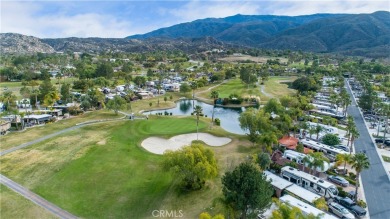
352, 34
19, 44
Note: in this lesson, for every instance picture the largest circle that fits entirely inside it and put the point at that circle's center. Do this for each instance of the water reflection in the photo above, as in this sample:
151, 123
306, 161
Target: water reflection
228, 116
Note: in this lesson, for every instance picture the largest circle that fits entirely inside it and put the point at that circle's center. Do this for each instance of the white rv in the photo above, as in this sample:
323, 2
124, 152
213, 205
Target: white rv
309, 182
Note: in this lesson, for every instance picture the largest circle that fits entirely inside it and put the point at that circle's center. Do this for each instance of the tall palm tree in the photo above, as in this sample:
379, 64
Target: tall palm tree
318, 130
35, 92
158, 93
194, 86
343, 158
350, 126
8, 97
214, 94
359, 163
311, 131
346, 102
197, 111
354, 135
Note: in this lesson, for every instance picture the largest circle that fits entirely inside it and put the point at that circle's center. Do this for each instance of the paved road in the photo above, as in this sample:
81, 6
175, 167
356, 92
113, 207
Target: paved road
376, 183
36, 198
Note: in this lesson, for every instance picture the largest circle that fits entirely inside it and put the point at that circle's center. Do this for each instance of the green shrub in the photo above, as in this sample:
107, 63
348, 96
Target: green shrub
217, 121
276, 167
361, 203
342, 193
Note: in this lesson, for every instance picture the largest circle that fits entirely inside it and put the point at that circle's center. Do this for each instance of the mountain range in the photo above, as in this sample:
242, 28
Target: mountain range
350, 34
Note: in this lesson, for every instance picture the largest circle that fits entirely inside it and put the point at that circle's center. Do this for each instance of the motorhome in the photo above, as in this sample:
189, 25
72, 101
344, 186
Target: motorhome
305, 208
324, 103
299, 158
309, 182
329, 151
284, 187
294, 156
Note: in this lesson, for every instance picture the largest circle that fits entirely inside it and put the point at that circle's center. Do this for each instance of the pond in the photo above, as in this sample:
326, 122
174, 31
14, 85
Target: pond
228, 116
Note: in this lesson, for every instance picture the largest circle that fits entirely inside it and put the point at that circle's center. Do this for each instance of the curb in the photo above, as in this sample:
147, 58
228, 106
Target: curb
372, 138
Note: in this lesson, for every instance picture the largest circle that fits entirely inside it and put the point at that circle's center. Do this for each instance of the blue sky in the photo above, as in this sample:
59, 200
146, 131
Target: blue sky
86, 18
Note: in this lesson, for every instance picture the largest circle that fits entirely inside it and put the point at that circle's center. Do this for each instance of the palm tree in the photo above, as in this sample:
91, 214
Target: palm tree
158, 93
304, 126
214, 94
318, 129
197, 111
311, 131
359, 163
354, 135
347, 101
35, 92
343, 158
51, 98
314, 160
194, 86
8, 97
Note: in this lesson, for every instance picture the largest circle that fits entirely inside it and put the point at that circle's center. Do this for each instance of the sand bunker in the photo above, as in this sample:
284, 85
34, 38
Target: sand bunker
159, 145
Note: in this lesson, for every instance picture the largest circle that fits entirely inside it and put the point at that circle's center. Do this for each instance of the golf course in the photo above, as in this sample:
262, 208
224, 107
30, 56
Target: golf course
101, 171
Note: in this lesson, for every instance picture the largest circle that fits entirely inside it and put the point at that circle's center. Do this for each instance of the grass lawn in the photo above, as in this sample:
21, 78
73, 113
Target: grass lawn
16, 206
100, 171
276, 88
386, 158
233, 86
16, 138
272, 88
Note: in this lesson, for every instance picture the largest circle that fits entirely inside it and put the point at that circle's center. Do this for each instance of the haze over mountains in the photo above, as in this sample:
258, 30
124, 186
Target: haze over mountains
351, 34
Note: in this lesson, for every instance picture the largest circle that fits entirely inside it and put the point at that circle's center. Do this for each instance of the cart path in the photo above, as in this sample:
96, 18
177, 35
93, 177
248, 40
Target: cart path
262, 90
54, 209
210, 88
57, 133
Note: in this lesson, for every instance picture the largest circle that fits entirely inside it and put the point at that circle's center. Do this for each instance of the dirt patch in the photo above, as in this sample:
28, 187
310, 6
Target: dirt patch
102, 142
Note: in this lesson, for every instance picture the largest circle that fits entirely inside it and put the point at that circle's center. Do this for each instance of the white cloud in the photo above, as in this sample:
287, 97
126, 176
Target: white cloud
24, 18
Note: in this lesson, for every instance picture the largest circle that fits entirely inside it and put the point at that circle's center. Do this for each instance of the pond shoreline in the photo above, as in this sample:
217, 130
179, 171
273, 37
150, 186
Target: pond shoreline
228, 115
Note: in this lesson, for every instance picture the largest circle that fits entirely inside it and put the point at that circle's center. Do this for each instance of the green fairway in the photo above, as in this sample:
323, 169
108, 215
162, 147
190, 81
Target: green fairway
276, 87
15, 206
100, 171
233, 86
273, 88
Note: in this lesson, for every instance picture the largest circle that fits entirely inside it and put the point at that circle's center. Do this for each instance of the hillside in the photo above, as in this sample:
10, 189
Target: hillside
353, 34
20, 44
348, 34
